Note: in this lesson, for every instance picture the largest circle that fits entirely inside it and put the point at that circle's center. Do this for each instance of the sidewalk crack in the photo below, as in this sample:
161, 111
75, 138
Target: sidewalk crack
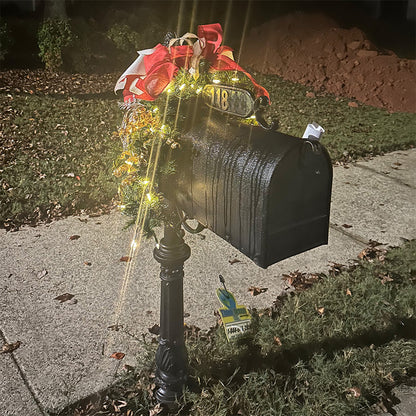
23, 377
392, 178
354, 237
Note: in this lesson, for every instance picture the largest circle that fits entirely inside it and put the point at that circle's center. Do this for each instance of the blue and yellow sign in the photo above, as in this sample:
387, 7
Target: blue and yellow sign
236, 318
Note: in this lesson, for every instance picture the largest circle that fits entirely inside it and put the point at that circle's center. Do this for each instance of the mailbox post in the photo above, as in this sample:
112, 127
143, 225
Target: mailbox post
171, 355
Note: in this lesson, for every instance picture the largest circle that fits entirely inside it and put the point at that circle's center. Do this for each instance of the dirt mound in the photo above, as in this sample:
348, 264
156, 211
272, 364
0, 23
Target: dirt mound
313, 50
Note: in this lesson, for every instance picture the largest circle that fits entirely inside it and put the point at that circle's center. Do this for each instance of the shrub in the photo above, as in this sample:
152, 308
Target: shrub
5, 40
127, 39
123, 37
53, 36
89, 51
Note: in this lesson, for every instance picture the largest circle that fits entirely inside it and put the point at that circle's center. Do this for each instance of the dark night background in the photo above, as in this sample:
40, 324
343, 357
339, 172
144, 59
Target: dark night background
385, 22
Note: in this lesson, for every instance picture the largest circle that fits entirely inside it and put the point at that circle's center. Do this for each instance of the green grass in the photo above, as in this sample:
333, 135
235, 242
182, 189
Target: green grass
57, 157
363, 341
47, 142
350, 132
342, 361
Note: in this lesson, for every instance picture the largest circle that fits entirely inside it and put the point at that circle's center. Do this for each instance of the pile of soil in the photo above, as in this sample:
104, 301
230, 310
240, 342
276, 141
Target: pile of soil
312, 49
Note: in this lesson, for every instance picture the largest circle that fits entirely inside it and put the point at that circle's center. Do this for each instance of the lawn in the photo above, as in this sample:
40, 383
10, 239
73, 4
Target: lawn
58, 149
57, 157
352, 130
335, 349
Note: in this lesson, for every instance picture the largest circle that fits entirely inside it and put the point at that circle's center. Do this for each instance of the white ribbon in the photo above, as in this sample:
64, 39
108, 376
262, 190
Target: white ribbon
136, 68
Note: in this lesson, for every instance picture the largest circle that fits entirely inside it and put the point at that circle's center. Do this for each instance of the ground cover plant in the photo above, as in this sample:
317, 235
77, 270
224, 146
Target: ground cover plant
56, 158
337, 348
55, 128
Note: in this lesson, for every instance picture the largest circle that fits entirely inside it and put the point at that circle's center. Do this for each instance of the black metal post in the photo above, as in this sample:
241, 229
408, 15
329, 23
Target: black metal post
171, 355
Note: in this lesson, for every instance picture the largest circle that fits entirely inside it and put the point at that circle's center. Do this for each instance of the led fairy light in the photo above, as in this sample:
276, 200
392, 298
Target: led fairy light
145, 123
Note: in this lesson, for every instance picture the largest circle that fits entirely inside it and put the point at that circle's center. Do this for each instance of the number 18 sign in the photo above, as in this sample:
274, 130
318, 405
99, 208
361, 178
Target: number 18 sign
229, 100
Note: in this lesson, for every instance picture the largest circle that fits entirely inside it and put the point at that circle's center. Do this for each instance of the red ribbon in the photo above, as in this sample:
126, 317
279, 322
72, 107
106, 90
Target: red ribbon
163, 64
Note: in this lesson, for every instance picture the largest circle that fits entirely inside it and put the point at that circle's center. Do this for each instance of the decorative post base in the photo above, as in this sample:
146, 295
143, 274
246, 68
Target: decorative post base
171, 355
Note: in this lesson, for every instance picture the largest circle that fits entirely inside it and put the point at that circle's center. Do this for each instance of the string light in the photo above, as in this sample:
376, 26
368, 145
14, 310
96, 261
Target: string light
143, 128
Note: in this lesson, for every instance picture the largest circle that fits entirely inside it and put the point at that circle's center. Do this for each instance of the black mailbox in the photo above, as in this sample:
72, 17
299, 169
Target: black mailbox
266, 193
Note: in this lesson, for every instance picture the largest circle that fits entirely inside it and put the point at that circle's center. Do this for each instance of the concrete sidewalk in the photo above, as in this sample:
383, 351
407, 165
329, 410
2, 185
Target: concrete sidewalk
64, 355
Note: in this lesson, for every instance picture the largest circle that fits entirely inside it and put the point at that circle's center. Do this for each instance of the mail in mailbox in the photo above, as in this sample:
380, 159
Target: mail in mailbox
266, 193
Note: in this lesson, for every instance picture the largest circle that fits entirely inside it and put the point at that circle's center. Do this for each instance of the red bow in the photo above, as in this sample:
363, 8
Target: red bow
163, 63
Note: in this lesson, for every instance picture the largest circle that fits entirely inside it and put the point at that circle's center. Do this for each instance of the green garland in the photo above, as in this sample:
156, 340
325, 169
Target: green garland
150, 137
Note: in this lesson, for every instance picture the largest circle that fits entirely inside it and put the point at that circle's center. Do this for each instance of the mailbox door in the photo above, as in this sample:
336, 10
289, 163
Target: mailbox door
299, 202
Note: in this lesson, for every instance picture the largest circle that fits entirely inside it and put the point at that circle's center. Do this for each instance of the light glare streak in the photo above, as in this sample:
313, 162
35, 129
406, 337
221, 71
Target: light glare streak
243, 36
138, 229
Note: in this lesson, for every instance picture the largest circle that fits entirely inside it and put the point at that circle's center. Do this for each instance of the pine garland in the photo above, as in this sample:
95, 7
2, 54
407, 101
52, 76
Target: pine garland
150, 136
